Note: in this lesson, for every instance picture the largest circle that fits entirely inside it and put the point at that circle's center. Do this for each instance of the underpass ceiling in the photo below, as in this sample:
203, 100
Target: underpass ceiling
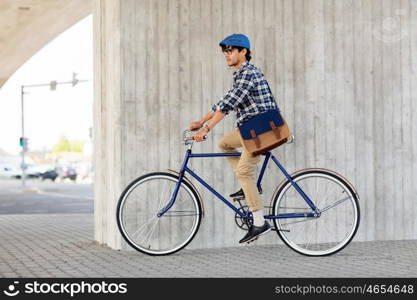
28, 25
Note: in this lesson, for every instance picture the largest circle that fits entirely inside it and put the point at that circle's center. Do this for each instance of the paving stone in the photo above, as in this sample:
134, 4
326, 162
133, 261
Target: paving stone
62, 246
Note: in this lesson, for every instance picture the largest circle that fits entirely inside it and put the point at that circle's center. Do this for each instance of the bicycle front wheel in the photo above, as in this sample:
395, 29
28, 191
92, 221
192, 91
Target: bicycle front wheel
138, 220
332, 228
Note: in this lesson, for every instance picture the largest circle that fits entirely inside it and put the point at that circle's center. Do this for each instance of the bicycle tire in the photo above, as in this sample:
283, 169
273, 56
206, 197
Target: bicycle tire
167, 228
347, 207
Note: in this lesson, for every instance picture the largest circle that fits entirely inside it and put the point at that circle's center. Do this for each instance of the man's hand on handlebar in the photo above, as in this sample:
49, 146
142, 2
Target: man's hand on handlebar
200, 135
215, 118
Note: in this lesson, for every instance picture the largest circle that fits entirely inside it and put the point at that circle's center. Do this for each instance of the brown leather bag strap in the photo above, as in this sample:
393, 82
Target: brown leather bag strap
255, 138
275, 129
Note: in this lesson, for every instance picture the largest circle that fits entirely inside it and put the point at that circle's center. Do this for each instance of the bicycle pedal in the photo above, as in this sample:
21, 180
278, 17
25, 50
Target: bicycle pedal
238, 199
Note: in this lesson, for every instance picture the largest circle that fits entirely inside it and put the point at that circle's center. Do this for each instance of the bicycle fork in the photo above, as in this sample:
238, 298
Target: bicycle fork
177, 187
172, 200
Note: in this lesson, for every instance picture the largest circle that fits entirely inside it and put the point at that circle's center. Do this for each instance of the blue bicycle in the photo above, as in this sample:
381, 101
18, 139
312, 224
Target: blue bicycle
314, 211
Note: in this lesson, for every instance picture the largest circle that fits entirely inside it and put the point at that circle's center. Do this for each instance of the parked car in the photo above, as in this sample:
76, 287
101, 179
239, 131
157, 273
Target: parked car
31, 172
49, 174
11, 166
67, 172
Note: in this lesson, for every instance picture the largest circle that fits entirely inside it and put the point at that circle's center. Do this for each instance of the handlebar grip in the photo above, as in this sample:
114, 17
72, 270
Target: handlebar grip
205, 137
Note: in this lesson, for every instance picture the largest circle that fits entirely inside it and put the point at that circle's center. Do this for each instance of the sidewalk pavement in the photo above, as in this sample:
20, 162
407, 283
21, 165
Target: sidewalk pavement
61, 245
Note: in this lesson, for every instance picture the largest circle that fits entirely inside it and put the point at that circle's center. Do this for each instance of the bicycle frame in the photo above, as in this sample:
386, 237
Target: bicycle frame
268, 156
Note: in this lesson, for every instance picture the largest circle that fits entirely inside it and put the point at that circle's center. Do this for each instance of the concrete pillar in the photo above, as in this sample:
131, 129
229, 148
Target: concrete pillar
108, 125
342, 73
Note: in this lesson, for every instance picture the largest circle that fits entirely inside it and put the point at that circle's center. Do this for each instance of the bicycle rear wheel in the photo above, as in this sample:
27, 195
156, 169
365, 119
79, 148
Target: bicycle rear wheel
139, 223
335, 225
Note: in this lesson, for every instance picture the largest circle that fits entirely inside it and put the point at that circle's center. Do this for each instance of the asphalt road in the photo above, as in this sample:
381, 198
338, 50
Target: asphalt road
45, 197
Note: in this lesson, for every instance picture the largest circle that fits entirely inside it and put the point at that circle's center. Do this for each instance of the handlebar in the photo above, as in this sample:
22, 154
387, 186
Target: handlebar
188, 139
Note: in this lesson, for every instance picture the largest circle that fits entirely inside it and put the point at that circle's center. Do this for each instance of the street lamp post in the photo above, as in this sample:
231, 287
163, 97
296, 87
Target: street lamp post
23, 140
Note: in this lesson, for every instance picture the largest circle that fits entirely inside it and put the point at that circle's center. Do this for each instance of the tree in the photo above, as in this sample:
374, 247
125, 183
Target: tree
65, 145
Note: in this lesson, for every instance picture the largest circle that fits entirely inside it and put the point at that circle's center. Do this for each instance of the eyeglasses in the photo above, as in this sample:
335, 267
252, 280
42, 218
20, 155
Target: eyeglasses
228, 51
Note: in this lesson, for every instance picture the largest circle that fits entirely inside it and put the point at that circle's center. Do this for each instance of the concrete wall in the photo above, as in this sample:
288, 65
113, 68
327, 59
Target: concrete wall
343, 73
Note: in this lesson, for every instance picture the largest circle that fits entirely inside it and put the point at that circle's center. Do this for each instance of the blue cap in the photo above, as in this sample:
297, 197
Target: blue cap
236, 39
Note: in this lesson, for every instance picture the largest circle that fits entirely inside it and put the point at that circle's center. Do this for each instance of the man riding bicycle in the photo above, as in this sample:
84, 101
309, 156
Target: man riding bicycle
249, 96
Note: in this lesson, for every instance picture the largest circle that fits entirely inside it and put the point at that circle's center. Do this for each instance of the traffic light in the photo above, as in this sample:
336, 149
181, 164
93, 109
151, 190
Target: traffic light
24, 143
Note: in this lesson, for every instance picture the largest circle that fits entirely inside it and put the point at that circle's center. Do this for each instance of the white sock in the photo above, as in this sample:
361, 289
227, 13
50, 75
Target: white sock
258, 217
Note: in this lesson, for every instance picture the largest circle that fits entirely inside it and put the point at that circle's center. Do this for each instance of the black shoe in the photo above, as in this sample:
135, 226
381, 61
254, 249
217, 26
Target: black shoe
255, 232
238, 195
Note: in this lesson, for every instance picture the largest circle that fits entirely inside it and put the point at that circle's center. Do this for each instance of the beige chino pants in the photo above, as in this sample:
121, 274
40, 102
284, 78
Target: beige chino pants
244, 168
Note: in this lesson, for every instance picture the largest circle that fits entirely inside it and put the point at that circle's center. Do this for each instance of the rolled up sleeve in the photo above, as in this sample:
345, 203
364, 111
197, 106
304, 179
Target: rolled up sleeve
241, 89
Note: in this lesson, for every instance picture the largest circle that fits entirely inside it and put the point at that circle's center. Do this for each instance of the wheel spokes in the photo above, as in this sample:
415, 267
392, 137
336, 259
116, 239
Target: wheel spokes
143, 229
332, 228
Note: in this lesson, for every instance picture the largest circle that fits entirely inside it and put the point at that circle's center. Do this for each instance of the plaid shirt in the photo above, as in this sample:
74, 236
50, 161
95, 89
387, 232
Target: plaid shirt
249, 96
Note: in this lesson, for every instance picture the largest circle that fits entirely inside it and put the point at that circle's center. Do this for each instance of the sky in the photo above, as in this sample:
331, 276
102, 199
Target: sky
49, 115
